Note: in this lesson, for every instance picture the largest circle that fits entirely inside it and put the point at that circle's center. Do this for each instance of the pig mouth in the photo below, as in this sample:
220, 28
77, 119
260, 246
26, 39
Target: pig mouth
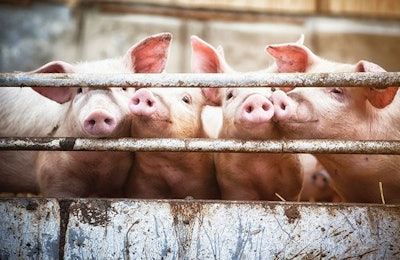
299, 121
153, 119
254, 124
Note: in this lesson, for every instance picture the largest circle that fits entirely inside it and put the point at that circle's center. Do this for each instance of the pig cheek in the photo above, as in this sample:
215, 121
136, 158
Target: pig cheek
188, 124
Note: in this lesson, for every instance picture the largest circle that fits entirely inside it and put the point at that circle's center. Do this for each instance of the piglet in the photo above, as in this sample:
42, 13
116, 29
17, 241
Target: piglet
84, 112
317, 185
247, 114
170, 113
343, 113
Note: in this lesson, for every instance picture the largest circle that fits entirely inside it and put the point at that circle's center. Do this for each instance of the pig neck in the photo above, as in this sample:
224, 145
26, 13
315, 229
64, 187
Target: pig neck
94, 173
261, 174
184, 163
356, 177
264, 132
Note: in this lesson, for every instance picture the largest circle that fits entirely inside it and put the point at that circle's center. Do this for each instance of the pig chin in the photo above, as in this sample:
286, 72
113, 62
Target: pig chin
149, 127
254, 129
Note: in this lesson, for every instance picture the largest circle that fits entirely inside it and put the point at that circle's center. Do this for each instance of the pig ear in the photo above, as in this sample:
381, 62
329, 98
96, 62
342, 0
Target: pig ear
55, 67
213, 96
291, 58
149, 55
206, 59
300, 41
221, 52
60, 95
379, 98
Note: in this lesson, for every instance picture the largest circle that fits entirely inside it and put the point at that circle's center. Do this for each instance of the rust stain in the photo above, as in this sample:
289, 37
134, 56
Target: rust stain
185, 212
67, 144
94, 213
32, 205
292, 213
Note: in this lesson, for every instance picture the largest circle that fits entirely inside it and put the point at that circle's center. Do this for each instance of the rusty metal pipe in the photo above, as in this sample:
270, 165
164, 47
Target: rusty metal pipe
201, 145
367, 79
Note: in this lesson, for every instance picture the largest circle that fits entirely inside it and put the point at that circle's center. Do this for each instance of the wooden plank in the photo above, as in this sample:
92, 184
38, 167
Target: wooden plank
287, 6
191, 229
369, 8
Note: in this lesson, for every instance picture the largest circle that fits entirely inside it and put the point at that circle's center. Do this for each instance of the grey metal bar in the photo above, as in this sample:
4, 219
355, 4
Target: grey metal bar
201, 145
368, 79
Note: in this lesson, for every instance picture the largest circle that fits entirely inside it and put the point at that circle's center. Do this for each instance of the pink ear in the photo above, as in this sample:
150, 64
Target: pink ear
300, 41
60, 95
379, 98
290, 58
213, 96
55, 67
150, 55
207, 59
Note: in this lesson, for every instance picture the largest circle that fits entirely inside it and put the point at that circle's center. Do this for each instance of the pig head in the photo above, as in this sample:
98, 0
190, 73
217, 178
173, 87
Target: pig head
247, 114
170, 113
343, 113
84, 112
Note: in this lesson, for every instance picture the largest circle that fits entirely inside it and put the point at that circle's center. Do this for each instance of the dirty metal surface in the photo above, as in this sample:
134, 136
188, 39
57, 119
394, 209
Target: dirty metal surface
347, 79
191, 229
200, 145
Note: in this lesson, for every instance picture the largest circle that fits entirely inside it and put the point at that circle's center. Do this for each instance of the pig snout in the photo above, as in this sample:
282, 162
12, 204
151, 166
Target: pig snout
282, 105
99, 123
143, 103
320, 179
257, 109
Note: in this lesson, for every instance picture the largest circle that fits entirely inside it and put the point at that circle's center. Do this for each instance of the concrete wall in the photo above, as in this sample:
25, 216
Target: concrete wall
131, 229
35, 34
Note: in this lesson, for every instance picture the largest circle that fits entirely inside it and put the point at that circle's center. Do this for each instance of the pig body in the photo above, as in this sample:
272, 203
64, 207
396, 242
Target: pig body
170, 113
344, 113
248, 114
19, 120
79, 112
92, 113
254, 176
317, 182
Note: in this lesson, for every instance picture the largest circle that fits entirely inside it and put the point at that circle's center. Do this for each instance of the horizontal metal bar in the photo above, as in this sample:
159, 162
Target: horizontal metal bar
368, 79
201, 145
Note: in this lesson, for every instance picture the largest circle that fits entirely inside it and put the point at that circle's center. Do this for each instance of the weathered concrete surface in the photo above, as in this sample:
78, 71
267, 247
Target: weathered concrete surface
190, 229
42, 31
29, 228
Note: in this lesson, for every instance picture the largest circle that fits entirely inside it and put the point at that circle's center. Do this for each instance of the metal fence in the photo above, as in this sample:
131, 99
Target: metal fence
367, 79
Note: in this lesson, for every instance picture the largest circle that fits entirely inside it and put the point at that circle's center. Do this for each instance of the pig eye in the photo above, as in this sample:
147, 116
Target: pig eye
229, 95
337, 91
79, 90
273, 89
186, 99
124, 89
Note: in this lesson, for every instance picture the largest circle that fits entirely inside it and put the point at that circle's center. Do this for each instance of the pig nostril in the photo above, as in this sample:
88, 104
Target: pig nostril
283, 106
265, 107
92, 122
136, 101
107, 121
249, 109
150, 103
